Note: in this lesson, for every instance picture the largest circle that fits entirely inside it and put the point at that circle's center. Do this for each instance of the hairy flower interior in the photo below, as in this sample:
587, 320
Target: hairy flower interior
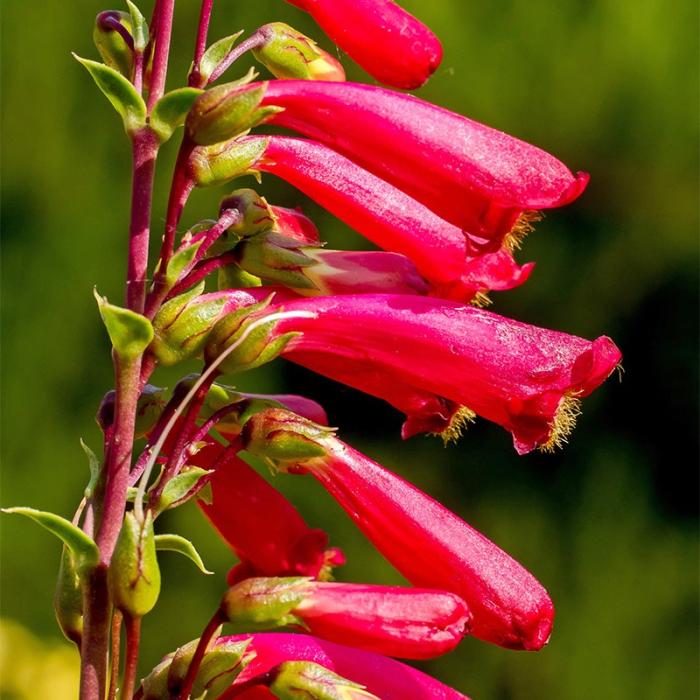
524, 226
458, 424
564, 422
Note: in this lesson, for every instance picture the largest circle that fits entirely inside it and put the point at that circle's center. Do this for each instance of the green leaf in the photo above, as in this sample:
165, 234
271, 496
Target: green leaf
94, 465
83, 548
216, 53
139, 27
177, 543
119, 91
130, 333
179, 262
181, 488
170, 111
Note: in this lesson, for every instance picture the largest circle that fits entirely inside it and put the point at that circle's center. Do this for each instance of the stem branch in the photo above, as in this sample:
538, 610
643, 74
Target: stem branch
204, 640
133, 639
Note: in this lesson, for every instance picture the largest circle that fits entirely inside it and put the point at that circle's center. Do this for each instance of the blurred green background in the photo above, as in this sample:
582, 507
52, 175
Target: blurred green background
608, 524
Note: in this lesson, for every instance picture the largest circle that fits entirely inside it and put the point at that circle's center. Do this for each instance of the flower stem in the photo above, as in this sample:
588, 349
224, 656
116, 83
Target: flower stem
164, 24
114, 655
195, 79
204, 641
133, 639
93, 651
252, 42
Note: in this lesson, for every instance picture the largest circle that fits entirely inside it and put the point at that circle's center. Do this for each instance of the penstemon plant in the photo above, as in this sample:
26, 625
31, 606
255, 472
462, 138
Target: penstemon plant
448, 201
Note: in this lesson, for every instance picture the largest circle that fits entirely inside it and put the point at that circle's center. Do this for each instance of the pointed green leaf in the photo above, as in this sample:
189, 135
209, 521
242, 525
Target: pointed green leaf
170, 111
177, 543
179, 262
84, 549
119, 91
94, 465
181, 488
129, 332
139, 27
216, 53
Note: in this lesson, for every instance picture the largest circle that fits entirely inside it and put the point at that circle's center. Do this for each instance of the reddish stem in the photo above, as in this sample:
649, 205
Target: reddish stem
204, 640
114, 656
252, 42
95, 642
163, 17
144, 151
200, 271
133, 639
195, 79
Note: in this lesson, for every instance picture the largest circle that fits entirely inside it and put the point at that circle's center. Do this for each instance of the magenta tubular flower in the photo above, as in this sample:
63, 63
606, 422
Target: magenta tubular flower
388, 42
432, 547
386, 678
262, 527
408, 623
525, 378
374, 208
471, 175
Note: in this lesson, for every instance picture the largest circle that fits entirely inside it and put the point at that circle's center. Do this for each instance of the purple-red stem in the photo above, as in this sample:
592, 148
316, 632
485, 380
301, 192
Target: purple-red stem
204, 640
133, 639
114, 655
252, 42
195, 79
144, 152
200, 272
163, 19
95, 643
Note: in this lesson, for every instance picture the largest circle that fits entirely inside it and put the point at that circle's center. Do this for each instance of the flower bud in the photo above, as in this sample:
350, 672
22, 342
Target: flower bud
116, 47
148, 410
68, 600
305, 680
226, 111
276, 258
252, 349
183, 324
216, 165
288, 54
134, 575
280, 436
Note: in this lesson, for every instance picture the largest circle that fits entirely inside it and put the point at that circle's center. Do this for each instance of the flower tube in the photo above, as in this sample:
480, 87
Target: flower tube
388, 42
476, 177
409, 623
426, 543
262, 527
524, 378
386, 678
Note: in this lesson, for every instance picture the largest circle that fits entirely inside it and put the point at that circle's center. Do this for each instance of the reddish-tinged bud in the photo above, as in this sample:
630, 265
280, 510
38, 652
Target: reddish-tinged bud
148, 410
261, 526
386, 678
294, 224
113, 39
225, 111
305, 680
388, 42
408, 623
288, 54
216, 165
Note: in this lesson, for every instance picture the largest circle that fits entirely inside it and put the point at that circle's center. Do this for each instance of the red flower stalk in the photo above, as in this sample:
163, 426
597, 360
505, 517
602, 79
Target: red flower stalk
408, 623
388, 42
475, 177
525, 378
261, 526
386, 678
427, 543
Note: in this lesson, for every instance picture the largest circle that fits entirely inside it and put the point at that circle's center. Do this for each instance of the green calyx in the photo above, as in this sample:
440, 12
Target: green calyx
263, 603
216, 165
134, 574
286, 53
306, 680
68, 598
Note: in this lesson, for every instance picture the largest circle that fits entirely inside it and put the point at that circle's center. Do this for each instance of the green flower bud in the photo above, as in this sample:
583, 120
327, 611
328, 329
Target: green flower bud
233, 277
216, 165
134, 575
265, 602
68, 598
305, 680
226, 111
288, 54
284, 438
182, 325
276, 258
252, 348
113, 39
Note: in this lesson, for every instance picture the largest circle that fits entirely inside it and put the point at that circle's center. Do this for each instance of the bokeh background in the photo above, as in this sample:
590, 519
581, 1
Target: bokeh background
608, 524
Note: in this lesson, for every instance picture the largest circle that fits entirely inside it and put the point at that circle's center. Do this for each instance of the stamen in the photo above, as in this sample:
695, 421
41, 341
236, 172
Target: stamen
458, 424
481, 300
522, 227
564, 422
